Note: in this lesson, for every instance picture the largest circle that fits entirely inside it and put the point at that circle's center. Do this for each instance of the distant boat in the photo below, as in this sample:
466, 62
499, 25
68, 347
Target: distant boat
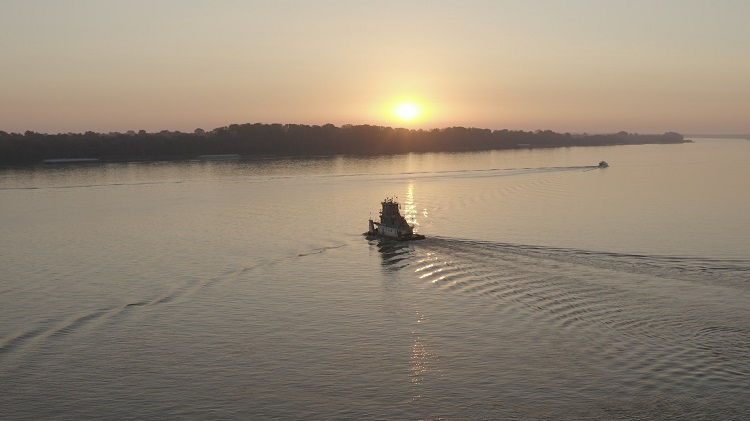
603, 164
392, 224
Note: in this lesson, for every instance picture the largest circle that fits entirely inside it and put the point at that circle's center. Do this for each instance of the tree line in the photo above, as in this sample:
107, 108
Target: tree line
292, 139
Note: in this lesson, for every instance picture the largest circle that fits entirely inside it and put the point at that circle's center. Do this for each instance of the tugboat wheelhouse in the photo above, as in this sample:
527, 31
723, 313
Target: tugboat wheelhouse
392, 224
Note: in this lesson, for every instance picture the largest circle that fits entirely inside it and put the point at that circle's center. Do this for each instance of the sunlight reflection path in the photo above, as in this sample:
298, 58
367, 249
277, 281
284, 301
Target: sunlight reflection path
423, 361
410, 208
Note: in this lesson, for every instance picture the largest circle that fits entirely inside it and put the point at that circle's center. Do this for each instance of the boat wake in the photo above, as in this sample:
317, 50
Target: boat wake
664, 323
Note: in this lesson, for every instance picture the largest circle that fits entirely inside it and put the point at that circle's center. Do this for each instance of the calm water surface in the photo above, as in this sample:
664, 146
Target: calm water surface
546, 289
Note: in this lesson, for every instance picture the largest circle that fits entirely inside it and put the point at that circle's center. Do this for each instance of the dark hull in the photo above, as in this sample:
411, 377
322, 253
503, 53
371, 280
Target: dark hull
410, 237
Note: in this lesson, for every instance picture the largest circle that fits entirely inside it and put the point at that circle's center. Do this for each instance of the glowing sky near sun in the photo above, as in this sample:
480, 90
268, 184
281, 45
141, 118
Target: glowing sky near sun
573, 65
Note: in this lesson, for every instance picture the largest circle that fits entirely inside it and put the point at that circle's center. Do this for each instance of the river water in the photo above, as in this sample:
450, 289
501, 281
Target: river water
546, 288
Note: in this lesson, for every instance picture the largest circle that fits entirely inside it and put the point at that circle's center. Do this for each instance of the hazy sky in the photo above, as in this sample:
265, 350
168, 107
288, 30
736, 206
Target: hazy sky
573, 65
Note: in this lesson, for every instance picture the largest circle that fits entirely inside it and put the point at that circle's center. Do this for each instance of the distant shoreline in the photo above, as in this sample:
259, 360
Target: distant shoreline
719, 136
247, 141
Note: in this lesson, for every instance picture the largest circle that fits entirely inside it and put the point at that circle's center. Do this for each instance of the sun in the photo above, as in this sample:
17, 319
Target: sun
407, 111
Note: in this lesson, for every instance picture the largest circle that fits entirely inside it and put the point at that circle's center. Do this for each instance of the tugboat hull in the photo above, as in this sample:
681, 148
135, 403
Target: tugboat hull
406, 237
392, 224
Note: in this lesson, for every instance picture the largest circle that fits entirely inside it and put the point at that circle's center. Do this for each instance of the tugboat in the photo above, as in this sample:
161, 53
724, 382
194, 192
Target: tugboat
392, 225
603, 164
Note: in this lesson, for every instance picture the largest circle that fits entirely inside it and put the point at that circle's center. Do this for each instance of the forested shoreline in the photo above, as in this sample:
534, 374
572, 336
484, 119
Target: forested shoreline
259, 139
